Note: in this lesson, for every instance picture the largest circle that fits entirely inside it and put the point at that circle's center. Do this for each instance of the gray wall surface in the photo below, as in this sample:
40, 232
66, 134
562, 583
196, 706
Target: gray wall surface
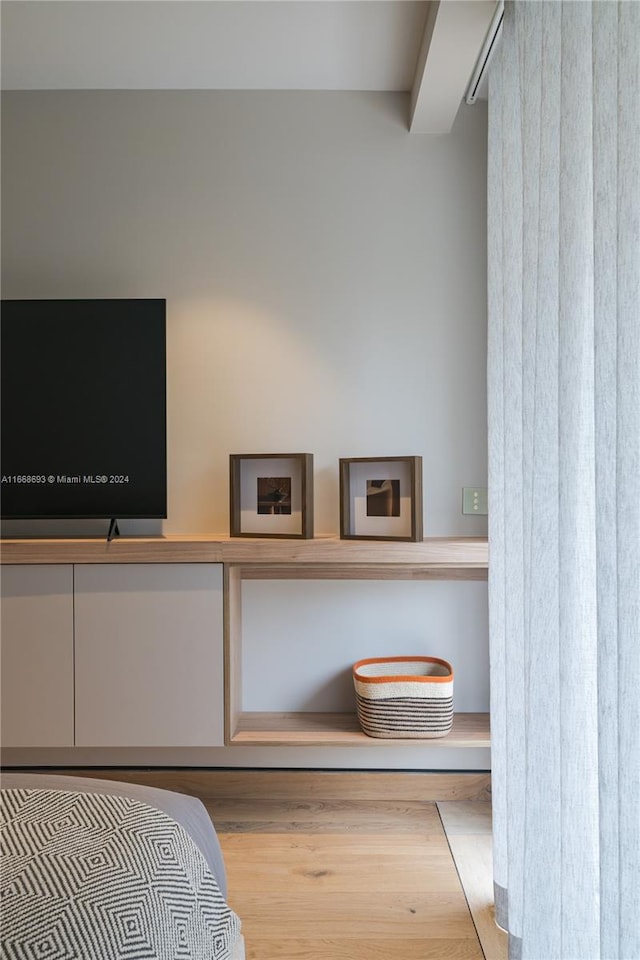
325, 277
325, 273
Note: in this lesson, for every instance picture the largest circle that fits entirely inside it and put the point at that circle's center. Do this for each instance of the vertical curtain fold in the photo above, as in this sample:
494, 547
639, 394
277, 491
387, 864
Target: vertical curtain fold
605, 77
628, 464
564, 466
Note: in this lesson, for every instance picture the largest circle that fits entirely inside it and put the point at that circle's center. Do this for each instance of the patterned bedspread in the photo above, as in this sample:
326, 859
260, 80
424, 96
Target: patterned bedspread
97, 877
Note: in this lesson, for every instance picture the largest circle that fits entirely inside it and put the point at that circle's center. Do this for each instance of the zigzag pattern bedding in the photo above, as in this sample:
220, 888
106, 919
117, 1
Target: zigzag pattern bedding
95, 877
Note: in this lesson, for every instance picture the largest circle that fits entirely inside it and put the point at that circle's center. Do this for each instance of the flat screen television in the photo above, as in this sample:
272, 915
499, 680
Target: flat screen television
83, 409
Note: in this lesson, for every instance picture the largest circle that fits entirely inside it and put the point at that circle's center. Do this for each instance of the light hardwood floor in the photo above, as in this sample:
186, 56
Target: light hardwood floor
350, 865
355, 879
468, 829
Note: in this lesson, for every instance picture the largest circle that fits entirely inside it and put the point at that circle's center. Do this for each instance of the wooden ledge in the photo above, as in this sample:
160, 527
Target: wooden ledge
438, 553
343, 730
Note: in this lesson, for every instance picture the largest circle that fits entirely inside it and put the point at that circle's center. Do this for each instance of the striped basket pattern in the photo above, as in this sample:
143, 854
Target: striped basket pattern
404, 697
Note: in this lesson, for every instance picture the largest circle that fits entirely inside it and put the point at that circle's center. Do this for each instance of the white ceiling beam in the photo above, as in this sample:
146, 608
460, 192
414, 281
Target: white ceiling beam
453, 36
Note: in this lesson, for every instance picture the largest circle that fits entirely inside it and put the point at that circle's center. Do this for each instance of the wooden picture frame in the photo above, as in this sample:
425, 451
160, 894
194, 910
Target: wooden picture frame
271, 495
381, 498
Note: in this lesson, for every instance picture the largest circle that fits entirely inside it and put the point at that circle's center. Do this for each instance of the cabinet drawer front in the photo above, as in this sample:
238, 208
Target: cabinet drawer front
149, 657
37, 655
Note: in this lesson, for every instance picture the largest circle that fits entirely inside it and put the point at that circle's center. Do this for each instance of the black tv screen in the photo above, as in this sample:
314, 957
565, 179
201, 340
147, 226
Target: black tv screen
83, 408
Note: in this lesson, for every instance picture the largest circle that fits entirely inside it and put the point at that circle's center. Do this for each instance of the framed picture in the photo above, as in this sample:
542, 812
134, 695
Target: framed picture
271, 495
381, 498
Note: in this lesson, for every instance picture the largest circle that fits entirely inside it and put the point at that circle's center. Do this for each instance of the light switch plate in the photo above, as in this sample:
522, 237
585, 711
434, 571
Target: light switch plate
474, 500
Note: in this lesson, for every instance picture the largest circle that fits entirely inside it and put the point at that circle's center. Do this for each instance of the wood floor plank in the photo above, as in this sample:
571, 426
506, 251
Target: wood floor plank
409, 915
464, 818
473, 859
291, 846
304, 784
350, 873
263, 816
364, 949
468, 829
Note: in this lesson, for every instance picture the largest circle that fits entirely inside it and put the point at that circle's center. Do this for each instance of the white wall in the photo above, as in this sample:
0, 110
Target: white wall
324, 272
325, 276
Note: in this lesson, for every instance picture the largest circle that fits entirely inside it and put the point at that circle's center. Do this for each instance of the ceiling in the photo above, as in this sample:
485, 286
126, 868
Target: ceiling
427, 49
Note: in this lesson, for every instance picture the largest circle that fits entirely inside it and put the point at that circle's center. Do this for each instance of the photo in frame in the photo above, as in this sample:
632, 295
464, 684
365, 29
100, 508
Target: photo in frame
271, 495
381, 498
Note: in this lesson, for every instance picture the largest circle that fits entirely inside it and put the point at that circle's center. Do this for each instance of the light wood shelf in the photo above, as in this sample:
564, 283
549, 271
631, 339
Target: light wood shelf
343, 730
331, 558
438, 556
328, 557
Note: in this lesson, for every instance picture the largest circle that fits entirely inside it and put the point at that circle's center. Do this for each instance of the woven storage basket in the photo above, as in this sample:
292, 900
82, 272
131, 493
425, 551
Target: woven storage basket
407, 697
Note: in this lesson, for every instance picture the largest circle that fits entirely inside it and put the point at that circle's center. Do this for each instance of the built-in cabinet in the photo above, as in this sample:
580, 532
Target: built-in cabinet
148, 655
36, 634
112, 655
138, 642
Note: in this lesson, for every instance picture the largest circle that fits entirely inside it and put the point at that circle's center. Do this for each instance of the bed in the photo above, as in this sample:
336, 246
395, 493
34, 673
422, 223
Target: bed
100, 870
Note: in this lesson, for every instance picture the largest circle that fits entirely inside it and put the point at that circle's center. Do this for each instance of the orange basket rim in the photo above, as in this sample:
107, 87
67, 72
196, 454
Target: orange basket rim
399, 678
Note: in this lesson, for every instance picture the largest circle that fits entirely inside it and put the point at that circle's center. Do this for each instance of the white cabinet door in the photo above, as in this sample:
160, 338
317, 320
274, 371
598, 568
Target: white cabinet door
36, 620
149, 657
